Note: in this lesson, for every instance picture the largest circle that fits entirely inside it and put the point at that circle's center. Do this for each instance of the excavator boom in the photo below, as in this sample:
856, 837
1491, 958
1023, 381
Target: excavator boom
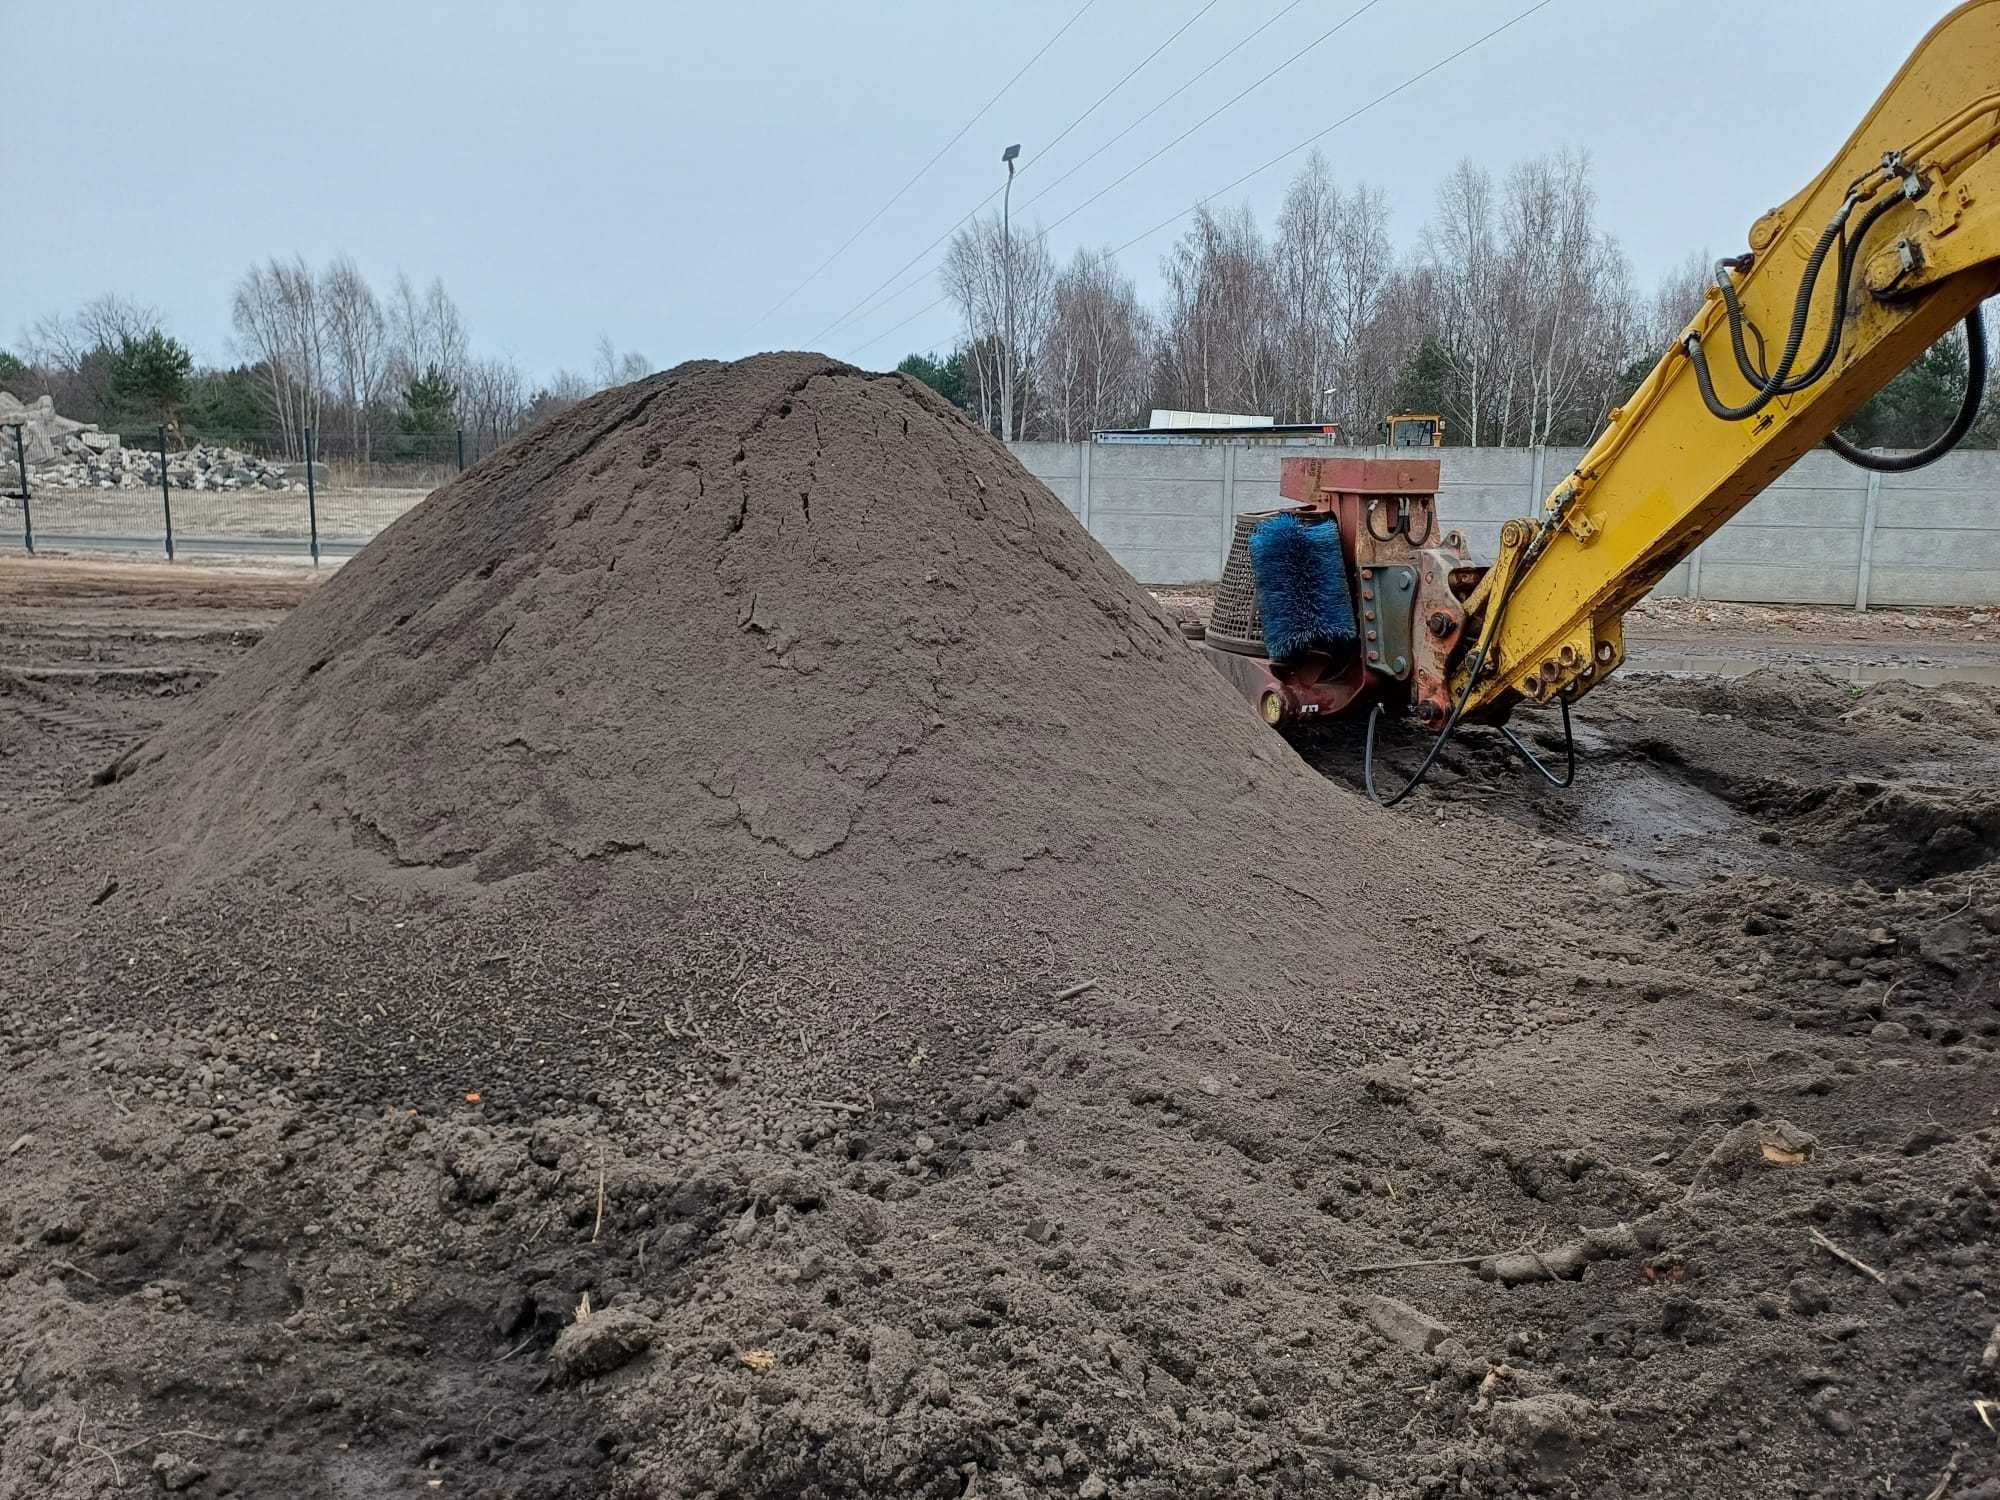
1356, 599
1909, 210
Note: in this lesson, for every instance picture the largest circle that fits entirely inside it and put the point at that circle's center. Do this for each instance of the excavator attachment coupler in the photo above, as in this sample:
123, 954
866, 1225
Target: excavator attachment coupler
1274, 630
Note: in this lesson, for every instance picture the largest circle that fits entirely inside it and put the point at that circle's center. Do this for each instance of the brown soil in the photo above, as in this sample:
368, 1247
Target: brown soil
82, 587
740, 841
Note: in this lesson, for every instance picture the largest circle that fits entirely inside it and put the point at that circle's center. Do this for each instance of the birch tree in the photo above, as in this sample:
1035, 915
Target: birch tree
1004, 288
280, 324
1304, 271
1219, 323
613, 368
1461, 252
1091, 372
357, 337
427, 330
1366, 349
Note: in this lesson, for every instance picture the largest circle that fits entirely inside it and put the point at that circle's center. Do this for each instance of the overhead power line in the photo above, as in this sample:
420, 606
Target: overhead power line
1321, 39
1312, 139
1319, 135
1030, 162
1134, 71
1228, 103
1216, 63
935, 158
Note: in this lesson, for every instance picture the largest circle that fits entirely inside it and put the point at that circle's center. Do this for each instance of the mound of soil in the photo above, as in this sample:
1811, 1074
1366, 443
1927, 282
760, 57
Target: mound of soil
734, 954
790, 657
753, 762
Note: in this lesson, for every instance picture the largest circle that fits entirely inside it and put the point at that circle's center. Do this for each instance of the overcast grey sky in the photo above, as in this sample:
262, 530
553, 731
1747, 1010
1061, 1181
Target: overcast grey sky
664, 172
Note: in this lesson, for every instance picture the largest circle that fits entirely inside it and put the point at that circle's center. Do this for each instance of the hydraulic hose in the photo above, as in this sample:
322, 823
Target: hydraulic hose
1968, 413
1781, 382
1478, 665
1769, 388
1752, 370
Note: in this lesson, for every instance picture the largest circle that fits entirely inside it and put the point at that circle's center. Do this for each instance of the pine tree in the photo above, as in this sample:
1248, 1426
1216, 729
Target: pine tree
945, 376
430, 400
1420, 384
151, 371
1918, 404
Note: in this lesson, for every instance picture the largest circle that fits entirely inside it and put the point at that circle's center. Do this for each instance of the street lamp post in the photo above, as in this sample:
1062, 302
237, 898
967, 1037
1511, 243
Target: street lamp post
1007, 277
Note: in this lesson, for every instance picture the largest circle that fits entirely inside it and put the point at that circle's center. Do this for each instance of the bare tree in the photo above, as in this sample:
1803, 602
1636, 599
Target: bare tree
1535, 312
1367, 349
1092, 366
492, 401
1219, 328
1571, 313
977, 278
1461, 252
426, 330
1550, 290
563, 390
613, 368
1676, 300
1303, 266
280, 324
357, 338
73, 352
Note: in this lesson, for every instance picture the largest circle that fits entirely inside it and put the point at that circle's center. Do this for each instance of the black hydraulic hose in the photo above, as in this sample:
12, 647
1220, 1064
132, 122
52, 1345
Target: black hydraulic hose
1753, 371
1437, 745
1569, 750
1451, 721
1769, 388
1968, 413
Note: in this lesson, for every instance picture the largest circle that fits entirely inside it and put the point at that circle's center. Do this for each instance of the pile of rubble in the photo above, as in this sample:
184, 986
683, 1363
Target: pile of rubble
43, 433
66, 454
97, 461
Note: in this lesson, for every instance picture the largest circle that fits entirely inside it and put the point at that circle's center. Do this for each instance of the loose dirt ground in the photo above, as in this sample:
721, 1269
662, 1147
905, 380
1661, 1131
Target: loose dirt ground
1689, 1192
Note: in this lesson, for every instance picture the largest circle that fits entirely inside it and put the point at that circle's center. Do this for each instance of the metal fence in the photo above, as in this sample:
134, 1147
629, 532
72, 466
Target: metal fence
279, 494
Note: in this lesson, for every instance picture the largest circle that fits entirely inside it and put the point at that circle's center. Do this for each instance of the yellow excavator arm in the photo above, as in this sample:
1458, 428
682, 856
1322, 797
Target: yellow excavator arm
1843, 287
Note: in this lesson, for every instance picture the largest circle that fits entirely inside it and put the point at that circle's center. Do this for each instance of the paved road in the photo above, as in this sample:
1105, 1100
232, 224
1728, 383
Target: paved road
189, 546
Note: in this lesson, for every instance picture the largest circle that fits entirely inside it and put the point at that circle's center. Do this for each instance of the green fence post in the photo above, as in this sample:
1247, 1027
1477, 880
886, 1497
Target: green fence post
27, 508
166, 495
312, 498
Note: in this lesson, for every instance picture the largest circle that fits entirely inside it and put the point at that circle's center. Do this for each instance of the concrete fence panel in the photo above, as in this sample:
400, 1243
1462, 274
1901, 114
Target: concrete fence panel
1825, 533
1059, 466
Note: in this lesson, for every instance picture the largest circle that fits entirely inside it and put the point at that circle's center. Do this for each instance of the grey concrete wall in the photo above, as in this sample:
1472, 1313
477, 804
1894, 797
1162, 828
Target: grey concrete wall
1825, 533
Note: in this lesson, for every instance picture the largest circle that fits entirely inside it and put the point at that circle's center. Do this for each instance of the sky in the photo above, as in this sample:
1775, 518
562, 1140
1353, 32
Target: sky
667, 172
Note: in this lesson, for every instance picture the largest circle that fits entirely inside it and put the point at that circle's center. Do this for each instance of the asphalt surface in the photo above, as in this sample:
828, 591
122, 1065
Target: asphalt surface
233, 546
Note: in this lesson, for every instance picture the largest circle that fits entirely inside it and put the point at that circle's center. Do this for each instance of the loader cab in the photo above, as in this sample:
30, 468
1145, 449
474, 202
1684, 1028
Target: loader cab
1414, 430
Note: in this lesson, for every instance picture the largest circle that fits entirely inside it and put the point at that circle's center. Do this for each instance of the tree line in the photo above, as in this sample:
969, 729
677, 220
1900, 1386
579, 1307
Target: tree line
376, 377
1514, 315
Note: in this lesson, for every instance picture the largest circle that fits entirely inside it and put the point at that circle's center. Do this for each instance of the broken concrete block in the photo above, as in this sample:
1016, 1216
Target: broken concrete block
1396, 1319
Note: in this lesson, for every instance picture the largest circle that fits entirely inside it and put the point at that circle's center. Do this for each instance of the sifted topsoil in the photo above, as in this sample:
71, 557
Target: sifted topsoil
734, 953
790, 658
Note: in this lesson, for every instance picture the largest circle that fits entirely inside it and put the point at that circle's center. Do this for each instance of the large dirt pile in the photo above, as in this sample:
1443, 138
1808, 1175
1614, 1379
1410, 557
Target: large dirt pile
734, 955
792, 661
738, 804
